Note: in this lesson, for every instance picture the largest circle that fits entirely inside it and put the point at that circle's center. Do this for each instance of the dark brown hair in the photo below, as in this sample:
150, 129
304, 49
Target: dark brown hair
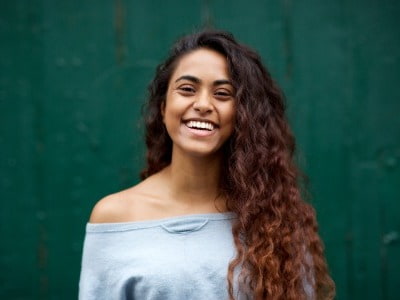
279, 252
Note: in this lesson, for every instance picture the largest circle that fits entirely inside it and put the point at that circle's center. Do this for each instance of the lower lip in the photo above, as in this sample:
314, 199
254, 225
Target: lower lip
199, 132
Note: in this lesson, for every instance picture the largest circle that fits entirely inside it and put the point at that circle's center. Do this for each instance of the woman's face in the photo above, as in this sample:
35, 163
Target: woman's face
199, 110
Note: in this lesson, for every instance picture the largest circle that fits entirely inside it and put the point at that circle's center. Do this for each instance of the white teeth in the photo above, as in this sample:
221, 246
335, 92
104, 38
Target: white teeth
202, 125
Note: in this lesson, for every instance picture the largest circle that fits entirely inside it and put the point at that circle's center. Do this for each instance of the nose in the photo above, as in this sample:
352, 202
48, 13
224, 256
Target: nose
203, 104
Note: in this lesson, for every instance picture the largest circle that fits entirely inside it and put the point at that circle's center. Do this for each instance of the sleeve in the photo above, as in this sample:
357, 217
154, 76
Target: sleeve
94, 282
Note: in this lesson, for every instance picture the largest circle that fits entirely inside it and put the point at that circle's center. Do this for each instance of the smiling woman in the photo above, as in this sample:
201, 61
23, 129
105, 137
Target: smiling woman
199, 108
219, 213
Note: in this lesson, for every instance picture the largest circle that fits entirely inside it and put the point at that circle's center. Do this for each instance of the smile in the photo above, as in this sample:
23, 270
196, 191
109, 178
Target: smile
201, 125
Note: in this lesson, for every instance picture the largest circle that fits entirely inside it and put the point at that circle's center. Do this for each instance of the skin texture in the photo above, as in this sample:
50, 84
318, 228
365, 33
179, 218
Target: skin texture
199, 89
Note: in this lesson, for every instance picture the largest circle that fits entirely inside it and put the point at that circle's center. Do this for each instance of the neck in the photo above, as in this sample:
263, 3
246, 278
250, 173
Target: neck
194, 179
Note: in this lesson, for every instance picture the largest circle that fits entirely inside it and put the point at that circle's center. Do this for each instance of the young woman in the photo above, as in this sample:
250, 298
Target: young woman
219, 213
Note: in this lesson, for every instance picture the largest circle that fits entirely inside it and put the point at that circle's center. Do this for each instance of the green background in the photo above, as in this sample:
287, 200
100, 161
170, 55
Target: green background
73, 78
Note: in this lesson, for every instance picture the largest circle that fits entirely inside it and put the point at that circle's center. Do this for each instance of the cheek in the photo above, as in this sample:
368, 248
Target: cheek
228, 120
230, 114
172, 116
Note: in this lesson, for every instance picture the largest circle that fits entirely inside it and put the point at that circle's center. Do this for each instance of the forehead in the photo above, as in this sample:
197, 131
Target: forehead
202, 63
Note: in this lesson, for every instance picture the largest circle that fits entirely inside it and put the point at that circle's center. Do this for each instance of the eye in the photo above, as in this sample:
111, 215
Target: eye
186, 90
223, 94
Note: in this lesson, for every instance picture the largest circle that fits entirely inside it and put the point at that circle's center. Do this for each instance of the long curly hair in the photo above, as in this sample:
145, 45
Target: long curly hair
279, 252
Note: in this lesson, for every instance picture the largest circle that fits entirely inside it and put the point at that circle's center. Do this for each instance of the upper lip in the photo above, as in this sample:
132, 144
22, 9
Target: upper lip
200, 120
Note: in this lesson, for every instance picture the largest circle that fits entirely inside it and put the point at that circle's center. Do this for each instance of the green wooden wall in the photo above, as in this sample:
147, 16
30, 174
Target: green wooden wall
73, 77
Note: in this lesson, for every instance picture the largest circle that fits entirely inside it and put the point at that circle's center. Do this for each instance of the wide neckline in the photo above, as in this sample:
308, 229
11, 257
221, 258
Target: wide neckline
132, 225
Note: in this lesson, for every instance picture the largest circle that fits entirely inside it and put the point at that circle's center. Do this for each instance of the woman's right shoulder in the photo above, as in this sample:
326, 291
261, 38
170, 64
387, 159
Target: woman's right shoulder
127, 205
109, 209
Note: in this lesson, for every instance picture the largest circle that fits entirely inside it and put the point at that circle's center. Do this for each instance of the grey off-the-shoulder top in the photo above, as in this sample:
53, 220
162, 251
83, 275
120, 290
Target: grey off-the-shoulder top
183, 257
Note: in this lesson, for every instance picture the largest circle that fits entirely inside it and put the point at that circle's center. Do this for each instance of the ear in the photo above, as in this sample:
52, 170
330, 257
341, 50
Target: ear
162, 110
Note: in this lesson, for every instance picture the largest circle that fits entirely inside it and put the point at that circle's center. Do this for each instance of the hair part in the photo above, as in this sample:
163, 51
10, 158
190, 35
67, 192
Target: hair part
279, 252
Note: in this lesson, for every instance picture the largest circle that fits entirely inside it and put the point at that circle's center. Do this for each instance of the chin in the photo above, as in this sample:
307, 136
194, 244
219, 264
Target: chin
200, 152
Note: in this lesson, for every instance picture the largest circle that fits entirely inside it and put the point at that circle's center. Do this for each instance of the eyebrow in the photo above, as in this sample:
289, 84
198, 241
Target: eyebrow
197, 80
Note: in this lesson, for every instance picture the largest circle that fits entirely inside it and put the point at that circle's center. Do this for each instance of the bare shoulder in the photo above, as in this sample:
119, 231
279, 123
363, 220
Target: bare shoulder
128, 205
110, 209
